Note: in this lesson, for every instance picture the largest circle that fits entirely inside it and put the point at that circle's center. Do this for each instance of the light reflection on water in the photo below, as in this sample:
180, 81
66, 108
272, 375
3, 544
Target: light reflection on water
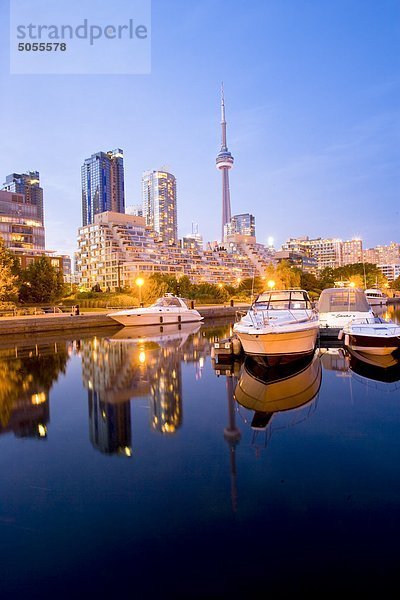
138, 459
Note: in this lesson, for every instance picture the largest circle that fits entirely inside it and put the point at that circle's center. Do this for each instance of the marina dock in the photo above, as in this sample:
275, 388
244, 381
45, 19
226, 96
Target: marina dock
90, 320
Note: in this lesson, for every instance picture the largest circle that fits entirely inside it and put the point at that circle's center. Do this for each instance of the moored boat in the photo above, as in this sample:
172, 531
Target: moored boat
338, 306
280, 324
375, 297
371, 335
166, 310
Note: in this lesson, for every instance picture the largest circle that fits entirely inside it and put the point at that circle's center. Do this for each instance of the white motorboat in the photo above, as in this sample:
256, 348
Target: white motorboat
280, 324
376, 297
371, 335
338, 306
167, 309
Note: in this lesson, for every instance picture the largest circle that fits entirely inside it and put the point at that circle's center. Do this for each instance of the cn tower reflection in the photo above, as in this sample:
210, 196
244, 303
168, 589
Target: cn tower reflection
232, 434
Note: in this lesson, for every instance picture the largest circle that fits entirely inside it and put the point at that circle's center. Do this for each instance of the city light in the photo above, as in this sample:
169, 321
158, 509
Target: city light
139, 282
271, 284
42, 430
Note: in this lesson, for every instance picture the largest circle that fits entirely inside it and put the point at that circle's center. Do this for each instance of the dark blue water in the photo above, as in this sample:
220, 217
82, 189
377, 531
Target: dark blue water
141, 468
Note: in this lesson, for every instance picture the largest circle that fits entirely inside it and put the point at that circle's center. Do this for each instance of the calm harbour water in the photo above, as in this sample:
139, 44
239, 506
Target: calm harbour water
140, 467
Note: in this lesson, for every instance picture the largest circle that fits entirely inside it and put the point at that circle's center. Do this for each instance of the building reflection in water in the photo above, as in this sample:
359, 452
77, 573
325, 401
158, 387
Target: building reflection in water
166, 390
27, 373
109, 425
137, 363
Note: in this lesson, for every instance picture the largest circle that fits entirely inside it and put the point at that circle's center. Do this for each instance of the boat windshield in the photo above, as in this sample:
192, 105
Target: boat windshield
284, 299
167, 302
342, 299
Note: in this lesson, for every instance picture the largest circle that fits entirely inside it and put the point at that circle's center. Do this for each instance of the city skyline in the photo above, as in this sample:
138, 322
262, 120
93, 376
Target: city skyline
312, 120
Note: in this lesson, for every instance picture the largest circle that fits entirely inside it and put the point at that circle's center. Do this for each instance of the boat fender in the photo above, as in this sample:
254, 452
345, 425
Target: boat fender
212, 352
340, 334
236, 346
346, 339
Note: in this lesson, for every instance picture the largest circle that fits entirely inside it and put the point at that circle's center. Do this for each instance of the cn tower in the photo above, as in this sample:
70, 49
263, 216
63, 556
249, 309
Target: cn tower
224, 162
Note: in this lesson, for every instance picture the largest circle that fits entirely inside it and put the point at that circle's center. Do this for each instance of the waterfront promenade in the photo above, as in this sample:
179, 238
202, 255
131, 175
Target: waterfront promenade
53, 322
91, 320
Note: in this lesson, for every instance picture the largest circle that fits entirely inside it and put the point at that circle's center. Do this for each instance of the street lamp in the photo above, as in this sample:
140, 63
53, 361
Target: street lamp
271, 284
139, 282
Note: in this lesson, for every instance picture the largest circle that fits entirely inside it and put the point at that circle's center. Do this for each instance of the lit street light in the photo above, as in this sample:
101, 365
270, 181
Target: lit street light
139, 282
271, 284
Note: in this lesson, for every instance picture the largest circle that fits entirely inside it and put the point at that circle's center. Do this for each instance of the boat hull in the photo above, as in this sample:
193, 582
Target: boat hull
371, 344
291, 344
377, 301
159, 318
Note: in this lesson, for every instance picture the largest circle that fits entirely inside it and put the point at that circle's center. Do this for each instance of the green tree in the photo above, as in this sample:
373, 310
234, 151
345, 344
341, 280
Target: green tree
327, 278
363, 275
41, 282
283, 275
310, 283
396, 284
9, 281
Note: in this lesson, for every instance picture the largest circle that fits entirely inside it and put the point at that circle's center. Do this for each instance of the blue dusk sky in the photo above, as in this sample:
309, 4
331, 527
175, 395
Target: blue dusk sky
312, 105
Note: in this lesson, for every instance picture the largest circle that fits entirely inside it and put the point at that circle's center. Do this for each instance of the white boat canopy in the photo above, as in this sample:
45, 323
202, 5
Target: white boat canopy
343, 299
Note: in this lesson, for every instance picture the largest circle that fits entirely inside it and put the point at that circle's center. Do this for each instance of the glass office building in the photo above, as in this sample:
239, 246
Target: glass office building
160, 205
244, 224
102, 184
27, 184
21, 228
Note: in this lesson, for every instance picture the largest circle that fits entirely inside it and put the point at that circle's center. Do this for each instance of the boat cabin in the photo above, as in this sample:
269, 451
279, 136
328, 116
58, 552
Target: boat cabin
375, 293
333, 300
170, 301
283, 300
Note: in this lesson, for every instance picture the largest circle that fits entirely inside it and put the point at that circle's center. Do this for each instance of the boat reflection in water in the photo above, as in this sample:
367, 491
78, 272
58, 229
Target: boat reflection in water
161, 334
269, 390
143, 363
371, 368
366, 368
